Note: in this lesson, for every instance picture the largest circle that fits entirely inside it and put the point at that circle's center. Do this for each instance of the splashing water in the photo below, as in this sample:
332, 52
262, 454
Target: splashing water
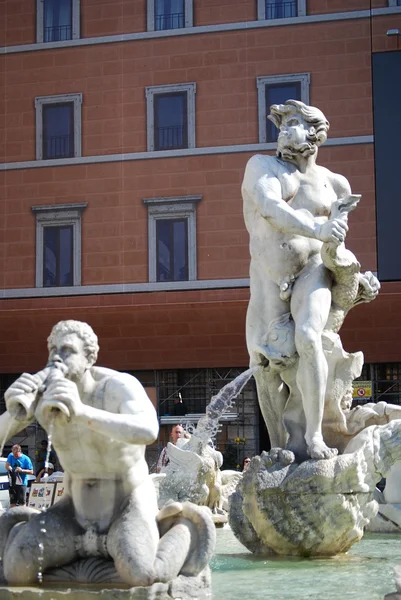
208, 425
43, 530
41, 547
49, 443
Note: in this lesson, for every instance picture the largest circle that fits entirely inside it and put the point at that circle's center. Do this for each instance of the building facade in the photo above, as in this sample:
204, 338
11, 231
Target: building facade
126, 127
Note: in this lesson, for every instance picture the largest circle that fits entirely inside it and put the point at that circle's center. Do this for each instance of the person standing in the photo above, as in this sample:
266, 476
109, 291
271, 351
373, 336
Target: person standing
246, 462
41, 455
19, 466
180, 408
177, 431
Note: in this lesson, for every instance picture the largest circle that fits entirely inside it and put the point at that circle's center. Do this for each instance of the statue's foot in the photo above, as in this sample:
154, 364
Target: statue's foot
318, 450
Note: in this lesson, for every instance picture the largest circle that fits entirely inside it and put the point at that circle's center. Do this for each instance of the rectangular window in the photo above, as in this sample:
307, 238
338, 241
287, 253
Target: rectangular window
58, 126
58, 244
278, 94
170, 118
57, 20
169, 14
58, 256
281, 9
172, 249
163, 15
58, 130
172, 238
277, 89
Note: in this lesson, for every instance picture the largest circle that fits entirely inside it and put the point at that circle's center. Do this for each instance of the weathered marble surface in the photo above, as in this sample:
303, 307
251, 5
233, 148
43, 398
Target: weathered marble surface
178, 589
318, 507
101, 422
303, 281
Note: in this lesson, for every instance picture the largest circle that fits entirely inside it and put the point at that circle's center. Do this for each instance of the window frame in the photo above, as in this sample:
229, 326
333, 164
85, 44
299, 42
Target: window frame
177, 207
59, 215
76, 100
75, 22
261, 8
188, 20
261, 82
154, 90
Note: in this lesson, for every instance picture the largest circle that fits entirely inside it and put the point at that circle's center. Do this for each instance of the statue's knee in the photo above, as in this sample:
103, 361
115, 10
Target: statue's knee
307, 341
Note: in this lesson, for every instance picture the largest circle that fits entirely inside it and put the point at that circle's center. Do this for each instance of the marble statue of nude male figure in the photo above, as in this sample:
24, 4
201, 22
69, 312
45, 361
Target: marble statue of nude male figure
288, 201
101, 421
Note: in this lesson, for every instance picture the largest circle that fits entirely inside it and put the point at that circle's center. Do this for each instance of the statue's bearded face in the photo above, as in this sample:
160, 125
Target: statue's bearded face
294, 137
69, 349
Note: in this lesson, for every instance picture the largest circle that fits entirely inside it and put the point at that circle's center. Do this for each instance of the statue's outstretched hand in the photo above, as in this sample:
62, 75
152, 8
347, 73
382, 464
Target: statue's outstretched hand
65, 392
333, 231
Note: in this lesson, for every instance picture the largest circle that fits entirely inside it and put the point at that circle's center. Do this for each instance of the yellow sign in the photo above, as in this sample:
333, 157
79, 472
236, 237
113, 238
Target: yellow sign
362, 389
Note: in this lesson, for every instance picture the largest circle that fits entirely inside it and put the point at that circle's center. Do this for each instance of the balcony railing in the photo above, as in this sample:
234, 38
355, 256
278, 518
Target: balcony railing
170, 137
59, 146
57, 33
169, 21
281, 10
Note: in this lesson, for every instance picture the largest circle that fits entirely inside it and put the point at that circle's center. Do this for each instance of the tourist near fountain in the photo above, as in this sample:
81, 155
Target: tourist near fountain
107, 528
312, 494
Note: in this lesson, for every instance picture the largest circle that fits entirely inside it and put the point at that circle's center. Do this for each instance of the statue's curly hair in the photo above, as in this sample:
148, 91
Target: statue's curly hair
313, 116
83, 330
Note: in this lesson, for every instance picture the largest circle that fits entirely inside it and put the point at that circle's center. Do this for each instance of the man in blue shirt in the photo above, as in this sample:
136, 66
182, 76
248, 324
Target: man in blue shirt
19, 467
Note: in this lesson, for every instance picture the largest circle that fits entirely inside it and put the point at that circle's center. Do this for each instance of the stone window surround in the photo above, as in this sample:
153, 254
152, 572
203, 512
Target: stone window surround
261, 82
174, 207
262, 9
75, 20
189, 17
59, 99
57, 215
152, 91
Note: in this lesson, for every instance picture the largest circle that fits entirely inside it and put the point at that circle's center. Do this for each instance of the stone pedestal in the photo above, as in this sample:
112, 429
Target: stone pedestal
318, 508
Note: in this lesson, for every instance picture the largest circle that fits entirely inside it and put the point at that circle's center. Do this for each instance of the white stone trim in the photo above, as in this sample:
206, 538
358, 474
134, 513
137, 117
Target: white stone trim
262, 82
75, 21
189, 15
262, 10
59, 215
241, 25
124, 288
177, 207
151, 92
76, 99
106, 158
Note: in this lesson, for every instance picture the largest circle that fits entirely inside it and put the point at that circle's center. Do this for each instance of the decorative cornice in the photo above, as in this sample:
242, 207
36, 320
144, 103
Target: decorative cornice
123, 288
105, 158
